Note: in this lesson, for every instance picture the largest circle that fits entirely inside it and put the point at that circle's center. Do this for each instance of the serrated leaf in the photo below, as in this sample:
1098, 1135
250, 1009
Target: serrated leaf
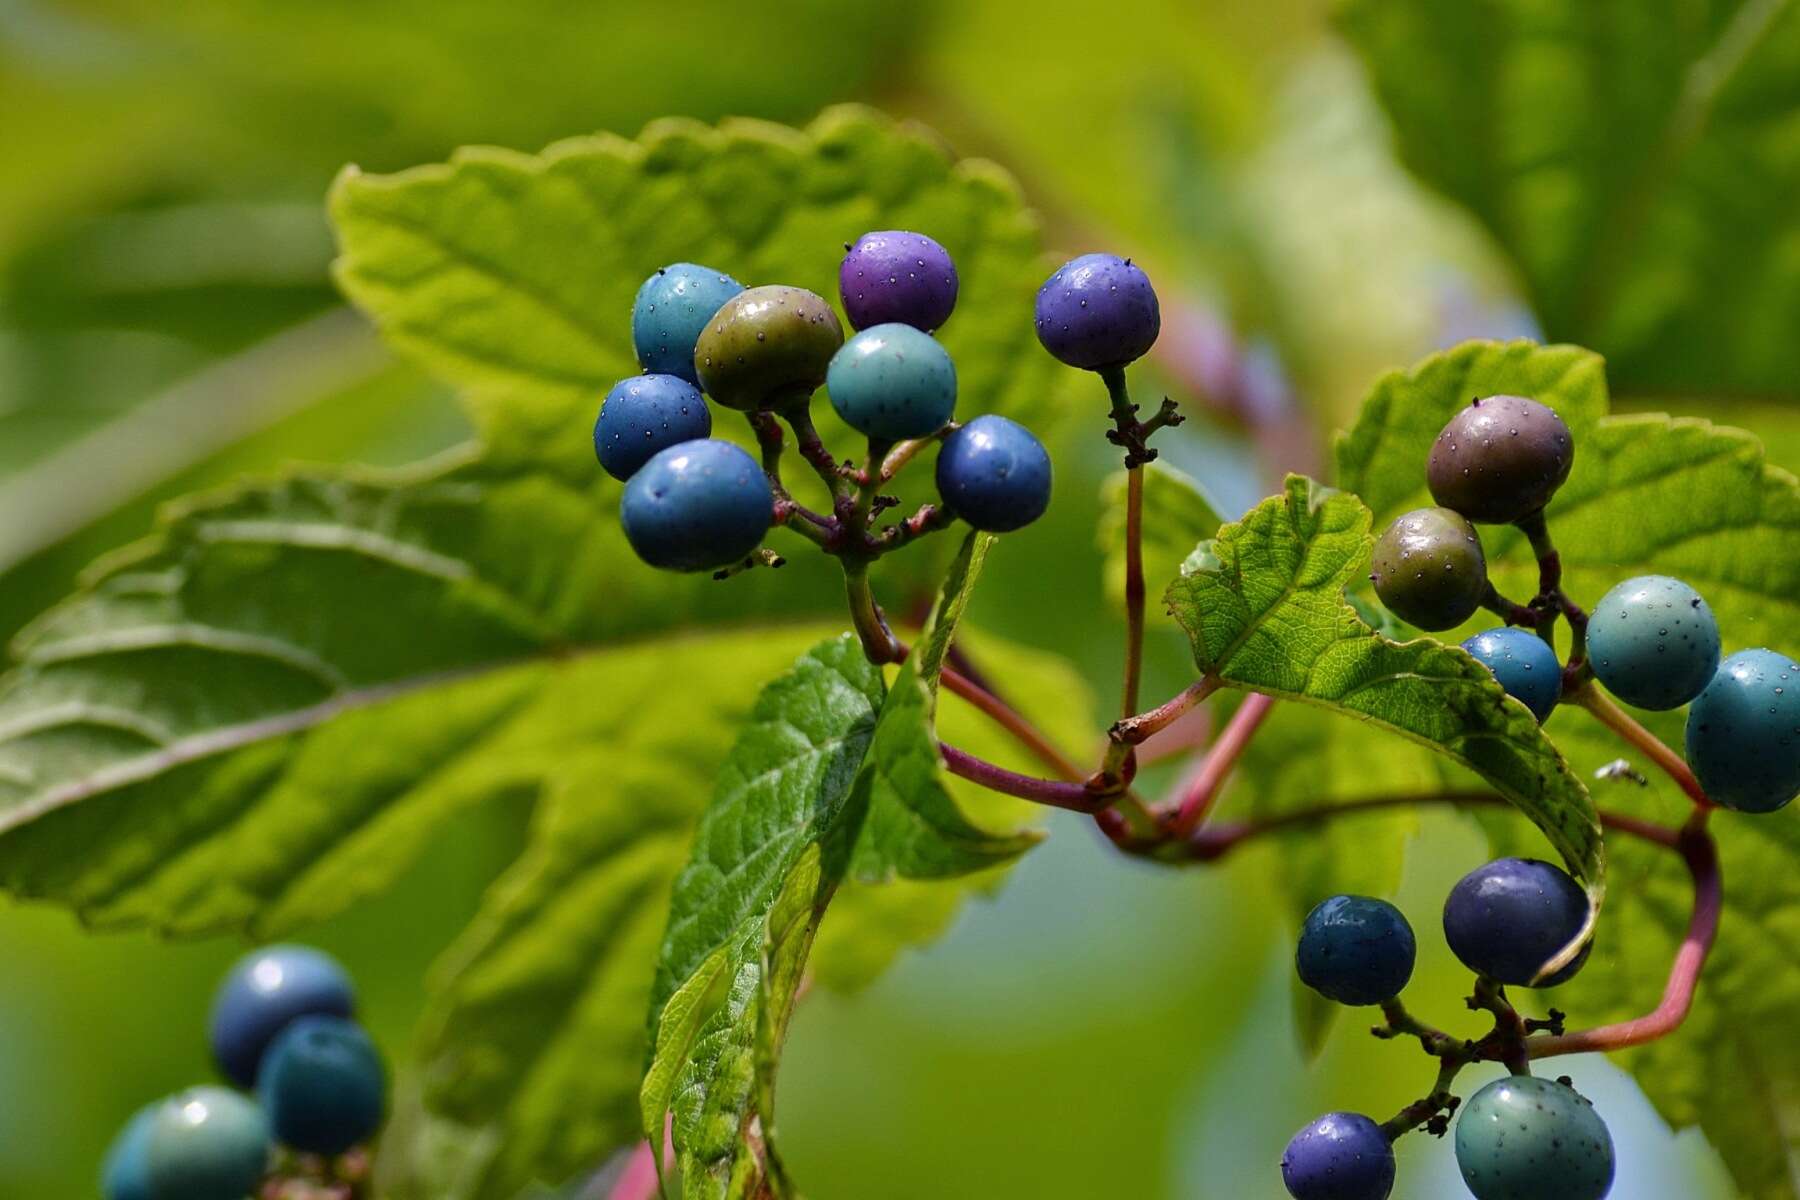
1178, 514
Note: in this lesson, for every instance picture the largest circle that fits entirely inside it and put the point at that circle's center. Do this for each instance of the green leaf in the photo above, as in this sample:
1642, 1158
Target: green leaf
1178, 515
1590, 138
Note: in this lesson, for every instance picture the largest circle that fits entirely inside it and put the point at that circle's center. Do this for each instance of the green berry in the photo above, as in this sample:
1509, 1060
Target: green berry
1500, 459
1529, 1138
1429, 569
768, 347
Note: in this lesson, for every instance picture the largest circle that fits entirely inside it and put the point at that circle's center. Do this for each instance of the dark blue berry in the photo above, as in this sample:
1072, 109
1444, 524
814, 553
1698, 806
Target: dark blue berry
125, 1175
1743, 732
323, 1086
1653, 642
1340, 1156
1097, 311
1524, 664
893, 382
697, 506
671, 309
1506, 919
1356, 950
206, 1143
262, 993
994, 474
1528, 1138
892, 275
644, 414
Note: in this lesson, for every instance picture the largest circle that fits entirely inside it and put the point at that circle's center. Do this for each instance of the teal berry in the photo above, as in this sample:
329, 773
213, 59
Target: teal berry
994, 474
125, 1175
265, 990
1524, 664
1653, 642
206, 1143
893, 382
644, 414
1528, 1138
671, 309
1356, 950
1743, 732
323, 1086
697, 506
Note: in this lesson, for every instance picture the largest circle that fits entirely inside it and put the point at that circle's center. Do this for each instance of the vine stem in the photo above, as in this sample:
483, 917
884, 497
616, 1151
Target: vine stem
1202, 792
1133, 730
1134, 588
1012, 721
1074, 797
878, 641
1622, 723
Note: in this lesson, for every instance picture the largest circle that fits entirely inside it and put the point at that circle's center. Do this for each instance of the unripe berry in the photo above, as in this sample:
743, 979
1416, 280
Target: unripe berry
671, 309
1507, 919
893, 382
892, 275
1529, 1138
1743, 732
1340, 1156
994, 474
697, 506
1429, 569
1356, 950
1653, 642
125, 1174
1097, 311
1523, 663
323, 1086
768, 347
644, 414
262, 993
206, 1143
1500, 459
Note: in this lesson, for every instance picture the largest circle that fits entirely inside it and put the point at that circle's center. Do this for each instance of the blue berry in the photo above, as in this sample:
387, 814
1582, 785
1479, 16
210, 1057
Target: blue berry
1528, 1138
1097, 311
1743, 732
892, 275
671, 309
1508, 918
263, 992
994, 474
1356, 950
1524, 664
323, 1086
697, 506
1340, 1156
1653, 642
125, 1175
644, 414
893, 382
206, 1143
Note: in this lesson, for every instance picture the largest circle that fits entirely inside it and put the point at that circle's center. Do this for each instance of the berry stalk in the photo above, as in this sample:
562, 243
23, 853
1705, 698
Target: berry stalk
1622, 723
1202, 792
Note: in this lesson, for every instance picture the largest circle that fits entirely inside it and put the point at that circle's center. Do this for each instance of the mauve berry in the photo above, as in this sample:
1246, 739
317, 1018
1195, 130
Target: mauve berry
1098, 311
1500, 459
897, 276
1340, 1156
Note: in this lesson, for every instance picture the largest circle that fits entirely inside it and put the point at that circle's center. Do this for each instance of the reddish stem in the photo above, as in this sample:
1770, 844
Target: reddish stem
1072, 796
1203, 790
1621, 722
1133, 730
1011, 721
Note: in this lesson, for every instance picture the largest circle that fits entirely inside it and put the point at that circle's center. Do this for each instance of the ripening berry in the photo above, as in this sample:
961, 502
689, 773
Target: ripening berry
1530, 1138
206, 1143
1356, 950
125, 1174
892, 275
1429, 569
893, 382
323, 1086
644, 414
994, 474
262, 993
768, 347
671, 309
1524, 664
1743, 732
1340, 1156
1653, 642
1500, 459
1506, 919
1097, 311
697, 506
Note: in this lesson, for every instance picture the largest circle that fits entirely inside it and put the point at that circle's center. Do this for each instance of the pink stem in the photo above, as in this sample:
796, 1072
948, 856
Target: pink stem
1134, 730
1203, 792
1072, 796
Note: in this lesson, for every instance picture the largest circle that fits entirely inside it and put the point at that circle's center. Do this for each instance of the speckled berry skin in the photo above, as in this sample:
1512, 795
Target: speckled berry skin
1524, 664
323, 1086
1508, 918
125, 1173
893, 382
994, 474
1743, 732
263, 992
1529, 1138
1429, 569
671, 309
697, 506
1500, 459
896, 276
768, 347
644, 414
206, 1143
1098, 311
1356, 950
1653, 642
1340, 1156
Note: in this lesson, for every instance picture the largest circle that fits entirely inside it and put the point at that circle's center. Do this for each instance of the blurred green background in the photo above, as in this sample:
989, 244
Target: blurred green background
167, 322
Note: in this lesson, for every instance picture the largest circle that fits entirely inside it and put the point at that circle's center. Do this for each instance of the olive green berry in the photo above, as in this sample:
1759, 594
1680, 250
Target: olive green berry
768, 347
1429, 569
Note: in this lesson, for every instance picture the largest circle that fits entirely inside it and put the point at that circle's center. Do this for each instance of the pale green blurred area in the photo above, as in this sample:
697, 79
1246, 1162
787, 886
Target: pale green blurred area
1102, 1028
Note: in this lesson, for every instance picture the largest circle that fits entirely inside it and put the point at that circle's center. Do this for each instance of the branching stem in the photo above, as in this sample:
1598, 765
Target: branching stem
1202, 792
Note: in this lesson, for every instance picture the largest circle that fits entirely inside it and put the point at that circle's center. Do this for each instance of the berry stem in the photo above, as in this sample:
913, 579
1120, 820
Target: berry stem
1510, 611
1609, 714
878, 641
1133, 730
814, 450
1202, 792
904, 452
1075, 797
1010, 720
1134, 590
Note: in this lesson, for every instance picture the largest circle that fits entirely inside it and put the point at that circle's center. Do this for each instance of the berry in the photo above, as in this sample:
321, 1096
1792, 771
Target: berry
323, 1086
893, 382
1653, 642
1507, 919
697, 506
1743, 732
1529, 1138
1429, 569
767, 347
671, 309
895, 276
1098, 311
1524, 664
125, 1175
1340, 1156
1356, 950
206, 1143
1500, 459
262, 993
994, 474
644, 414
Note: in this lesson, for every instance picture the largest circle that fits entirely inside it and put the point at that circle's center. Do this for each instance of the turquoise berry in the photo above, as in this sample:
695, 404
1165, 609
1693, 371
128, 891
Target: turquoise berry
644, 414
994, 474
263, 992
323, 1086
893, 382
1528, 1138
125, 1175
1524, 664
671, 309
697, 506
206, 1143
1743, 732
1356, 950
1653, 642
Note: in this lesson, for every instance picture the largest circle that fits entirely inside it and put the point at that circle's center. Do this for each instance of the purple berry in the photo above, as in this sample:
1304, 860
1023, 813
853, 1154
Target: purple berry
1508, 918
1098, 311
1340, 1156
895, 276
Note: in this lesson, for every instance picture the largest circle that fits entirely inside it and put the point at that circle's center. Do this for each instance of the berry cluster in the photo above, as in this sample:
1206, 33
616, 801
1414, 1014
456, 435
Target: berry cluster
282, 1030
